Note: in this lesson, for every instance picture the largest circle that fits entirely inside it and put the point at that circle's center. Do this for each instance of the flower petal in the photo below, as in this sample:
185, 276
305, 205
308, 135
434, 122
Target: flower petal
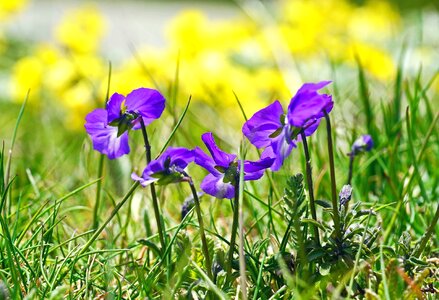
254, 170
205, 161
144, 181
216, 187
263, 124
219, 156
281, 148
179, 156
104, 137
308, 104
149, 103
114, 106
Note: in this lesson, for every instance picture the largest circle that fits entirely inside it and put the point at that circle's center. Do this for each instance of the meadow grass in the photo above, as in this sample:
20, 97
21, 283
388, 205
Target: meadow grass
74, 225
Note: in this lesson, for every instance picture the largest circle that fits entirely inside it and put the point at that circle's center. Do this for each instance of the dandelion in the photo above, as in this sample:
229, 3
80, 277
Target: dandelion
278, 132
108, 128
224, 169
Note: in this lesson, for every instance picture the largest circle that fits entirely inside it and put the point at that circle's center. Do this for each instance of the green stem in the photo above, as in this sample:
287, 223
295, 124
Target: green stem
351, 167
155, 202
98, 192
335, 212
234, 228
310, 186
201, 225
427, 235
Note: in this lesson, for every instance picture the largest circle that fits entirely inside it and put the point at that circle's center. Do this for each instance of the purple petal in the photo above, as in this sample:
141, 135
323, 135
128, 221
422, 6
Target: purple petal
308, 104
219, 156
114, 106
311, 127
255, 169
149, 103
280, 149
363, 143
216, 187
205, 161
263, 124
104, 137
144, 180
179, 156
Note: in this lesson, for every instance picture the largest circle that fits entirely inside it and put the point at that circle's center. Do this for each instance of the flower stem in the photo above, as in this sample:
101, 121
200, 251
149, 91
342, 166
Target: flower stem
427, 234
155, 203
201, 224
310, 186
234, 228
351, 167
335, 212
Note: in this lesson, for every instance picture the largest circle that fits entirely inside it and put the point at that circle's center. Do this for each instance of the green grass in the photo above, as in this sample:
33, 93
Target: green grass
51, 246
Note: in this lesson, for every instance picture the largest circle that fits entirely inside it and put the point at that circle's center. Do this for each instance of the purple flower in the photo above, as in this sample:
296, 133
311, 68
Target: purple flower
223, 169
108, 128
277, 132
345, 194
363, 144
168, 168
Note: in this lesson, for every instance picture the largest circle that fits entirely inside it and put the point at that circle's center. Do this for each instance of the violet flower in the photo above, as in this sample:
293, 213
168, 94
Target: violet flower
108, 128
363, 144
278, 132
168, 168
223, 169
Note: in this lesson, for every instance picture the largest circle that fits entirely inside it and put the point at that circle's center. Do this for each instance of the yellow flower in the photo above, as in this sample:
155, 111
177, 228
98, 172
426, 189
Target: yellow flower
374, 60
81, 30
9, 7
78, 101
27, 74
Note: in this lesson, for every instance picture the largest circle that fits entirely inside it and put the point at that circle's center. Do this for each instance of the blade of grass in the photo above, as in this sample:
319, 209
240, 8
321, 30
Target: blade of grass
183, 114
14, 136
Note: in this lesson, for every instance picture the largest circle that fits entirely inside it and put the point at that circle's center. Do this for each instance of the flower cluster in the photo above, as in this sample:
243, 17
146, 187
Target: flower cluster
278, 132
270, 128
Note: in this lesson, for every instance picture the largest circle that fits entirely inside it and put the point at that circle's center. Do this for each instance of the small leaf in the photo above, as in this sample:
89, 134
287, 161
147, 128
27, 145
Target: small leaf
323, 203
314, 222
417, 261
150, 245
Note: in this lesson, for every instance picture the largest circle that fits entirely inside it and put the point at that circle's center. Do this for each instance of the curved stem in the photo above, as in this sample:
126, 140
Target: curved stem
335, 212
310, 186
201, 224
234, 228
155, 202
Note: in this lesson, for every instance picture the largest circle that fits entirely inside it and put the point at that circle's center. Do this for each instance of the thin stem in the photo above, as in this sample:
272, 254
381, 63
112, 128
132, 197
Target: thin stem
201, 224
234, 228
351, 167
242, 265
335, 212
310, 186
155, 203
427, 234
98, 192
